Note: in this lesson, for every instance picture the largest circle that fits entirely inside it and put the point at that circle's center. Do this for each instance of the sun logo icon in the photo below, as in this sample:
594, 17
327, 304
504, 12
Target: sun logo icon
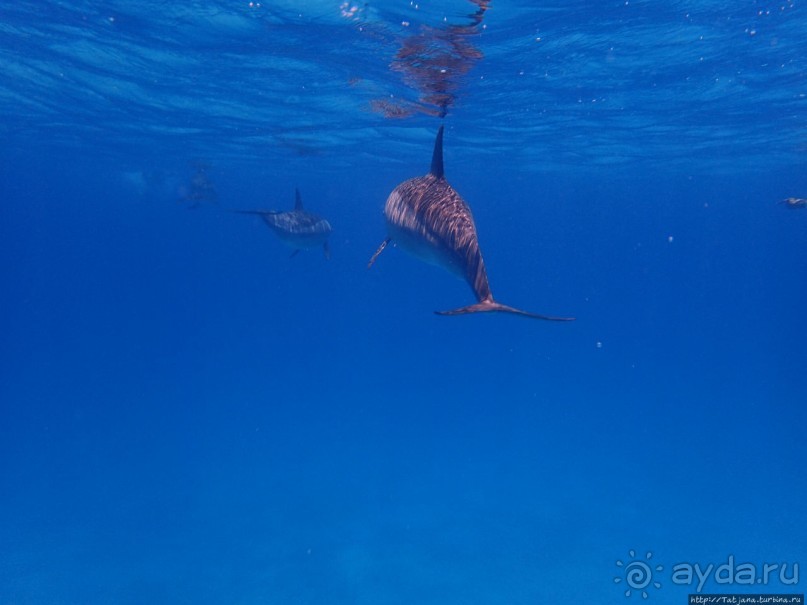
638, 574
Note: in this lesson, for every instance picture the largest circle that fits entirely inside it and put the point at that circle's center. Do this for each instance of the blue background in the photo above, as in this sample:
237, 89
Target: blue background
188, 415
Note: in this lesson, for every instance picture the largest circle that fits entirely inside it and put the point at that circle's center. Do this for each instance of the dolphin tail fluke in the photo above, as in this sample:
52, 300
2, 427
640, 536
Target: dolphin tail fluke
491, 306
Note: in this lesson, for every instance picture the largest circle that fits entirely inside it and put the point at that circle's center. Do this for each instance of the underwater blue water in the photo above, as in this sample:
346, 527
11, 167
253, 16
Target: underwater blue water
189, 415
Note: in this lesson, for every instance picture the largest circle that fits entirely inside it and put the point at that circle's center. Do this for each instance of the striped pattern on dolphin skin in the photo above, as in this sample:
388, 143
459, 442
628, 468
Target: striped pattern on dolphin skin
298, 228
427, 207
429, 219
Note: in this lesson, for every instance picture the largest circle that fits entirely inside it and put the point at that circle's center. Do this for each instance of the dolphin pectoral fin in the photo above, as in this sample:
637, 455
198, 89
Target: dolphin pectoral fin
327, 249
379, 251
490, 306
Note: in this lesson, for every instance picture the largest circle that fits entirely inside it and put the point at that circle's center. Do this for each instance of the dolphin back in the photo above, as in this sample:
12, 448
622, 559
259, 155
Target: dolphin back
426, 214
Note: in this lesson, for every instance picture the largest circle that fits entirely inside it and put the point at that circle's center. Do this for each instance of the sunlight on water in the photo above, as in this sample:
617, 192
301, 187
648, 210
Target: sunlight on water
621, 83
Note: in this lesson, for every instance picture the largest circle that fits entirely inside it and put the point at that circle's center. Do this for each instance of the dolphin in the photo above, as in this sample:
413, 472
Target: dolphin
795, 202
298, 228
429, 219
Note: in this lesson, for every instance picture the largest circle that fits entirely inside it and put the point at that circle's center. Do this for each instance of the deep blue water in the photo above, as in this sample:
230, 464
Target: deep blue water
189, 415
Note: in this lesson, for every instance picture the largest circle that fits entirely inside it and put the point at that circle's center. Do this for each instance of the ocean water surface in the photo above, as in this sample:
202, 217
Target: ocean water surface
189, 414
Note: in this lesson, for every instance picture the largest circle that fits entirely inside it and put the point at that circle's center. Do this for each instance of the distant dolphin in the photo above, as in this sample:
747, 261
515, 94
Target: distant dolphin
795, 202
297, 228
430, 220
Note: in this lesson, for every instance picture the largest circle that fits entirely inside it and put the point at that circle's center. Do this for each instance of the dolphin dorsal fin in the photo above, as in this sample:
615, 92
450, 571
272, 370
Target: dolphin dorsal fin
437, 156
298, 201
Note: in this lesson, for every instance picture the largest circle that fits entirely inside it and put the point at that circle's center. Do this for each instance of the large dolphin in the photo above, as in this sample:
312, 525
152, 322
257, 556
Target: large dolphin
297, 228
426, 217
